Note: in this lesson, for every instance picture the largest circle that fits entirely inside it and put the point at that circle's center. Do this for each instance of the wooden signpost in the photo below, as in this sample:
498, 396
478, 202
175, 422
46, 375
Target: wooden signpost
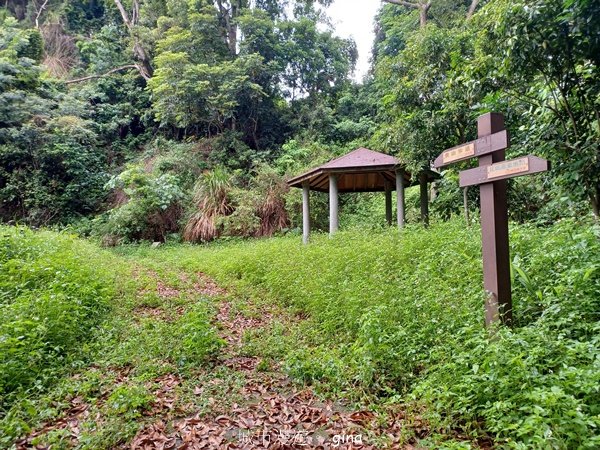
491, 176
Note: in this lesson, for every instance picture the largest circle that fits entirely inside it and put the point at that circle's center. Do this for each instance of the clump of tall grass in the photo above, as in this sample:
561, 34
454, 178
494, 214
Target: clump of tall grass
223, 208
212, 201
271, 208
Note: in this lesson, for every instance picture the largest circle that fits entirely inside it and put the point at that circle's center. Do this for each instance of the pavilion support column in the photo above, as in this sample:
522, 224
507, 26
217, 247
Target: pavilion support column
400, 204
424, 199
388, 203
333, 204
305, 212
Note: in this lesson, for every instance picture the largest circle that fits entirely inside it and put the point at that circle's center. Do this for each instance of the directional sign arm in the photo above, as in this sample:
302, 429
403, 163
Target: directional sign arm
527, 165
479, 147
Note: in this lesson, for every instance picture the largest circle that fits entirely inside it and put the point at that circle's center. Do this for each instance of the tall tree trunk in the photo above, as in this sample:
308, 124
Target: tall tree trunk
595, 200
228, 20
472, 9
423, 11
144, 67
233, 28
139, 52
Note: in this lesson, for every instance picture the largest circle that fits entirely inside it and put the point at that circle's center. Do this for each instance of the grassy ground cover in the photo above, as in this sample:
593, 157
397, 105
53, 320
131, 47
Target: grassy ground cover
88, 335
53, 290
98, 346
399, 318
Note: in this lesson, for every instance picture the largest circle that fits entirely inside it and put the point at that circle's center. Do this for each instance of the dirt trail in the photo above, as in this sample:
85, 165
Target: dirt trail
270, 412
275, 414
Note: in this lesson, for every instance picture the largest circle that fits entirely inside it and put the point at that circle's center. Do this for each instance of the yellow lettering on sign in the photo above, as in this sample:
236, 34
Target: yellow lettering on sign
458, 153
508, 168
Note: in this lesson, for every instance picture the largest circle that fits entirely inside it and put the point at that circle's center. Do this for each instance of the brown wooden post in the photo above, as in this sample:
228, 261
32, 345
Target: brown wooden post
494, 230
424, 199
491, 176
388, 203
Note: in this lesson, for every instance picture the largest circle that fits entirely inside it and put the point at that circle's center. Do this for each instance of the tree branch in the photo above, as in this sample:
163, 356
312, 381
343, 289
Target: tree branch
420, 5
39, 13
139, 52
102, 75
135, 12
404, 3
124, 14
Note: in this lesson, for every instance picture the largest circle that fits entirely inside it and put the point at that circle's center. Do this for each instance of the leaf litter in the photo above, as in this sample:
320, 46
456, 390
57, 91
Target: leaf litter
275, 415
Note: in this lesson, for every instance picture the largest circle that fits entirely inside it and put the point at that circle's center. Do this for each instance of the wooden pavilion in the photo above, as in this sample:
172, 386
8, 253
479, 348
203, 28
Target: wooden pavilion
361, 170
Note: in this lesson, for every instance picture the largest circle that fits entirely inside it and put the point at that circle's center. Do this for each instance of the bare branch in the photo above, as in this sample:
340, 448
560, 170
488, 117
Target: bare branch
123, 14
404, 3
135, 12
39, 13
422, 6
111, 71
139, 52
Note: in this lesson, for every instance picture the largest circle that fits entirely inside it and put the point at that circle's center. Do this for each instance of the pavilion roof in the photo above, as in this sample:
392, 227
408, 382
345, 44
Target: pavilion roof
359, 158
361, 170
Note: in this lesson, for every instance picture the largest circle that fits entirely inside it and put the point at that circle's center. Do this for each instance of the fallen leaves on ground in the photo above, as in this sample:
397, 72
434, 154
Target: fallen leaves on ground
207, 286
276, 416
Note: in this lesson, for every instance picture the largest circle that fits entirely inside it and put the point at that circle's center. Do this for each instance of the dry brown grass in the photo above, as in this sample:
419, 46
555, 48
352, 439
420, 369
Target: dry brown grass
60, 52
257, 211
271, 206
212, 200
201, 228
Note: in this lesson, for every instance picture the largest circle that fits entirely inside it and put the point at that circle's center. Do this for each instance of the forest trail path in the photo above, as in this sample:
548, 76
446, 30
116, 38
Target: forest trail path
270, 411
140, 390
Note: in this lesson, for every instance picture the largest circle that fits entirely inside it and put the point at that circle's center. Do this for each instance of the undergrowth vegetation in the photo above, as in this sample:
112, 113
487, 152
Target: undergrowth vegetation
386, 319
83, 328
54, 289
399, 317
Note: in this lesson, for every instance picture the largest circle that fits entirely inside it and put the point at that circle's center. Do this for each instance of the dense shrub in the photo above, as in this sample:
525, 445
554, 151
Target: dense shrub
50, 167
401, 316
54, 290
538, 384
151, 207
260, 209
